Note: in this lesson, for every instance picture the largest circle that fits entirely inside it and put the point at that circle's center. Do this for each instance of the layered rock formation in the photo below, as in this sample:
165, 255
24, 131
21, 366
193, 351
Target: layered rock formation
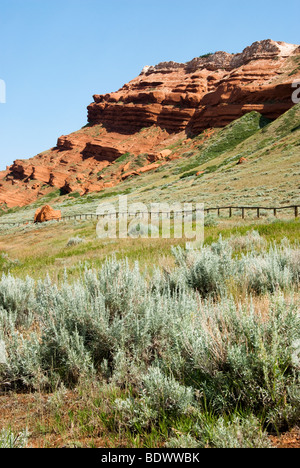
145, 116
207, 92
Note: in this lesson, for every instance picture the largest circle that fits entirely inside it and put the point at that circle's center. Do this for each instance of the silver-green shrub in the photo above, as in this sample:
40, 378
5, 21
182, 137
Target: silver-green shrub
212, 269
238, 433
183, 441
143, 230
73, 241
249, 242
211, 220
206, 270
179, 339
165, 393
18, 297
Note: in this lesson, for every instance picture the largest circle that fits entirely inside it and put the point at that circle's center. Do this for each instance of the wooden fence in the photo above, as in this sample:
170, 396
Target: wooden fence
231, 210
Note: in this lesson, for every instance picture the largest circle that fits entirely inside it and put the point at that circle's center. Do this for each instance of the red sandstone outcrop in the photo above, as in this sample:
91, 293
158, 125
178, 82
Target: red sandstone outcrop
134, 126
242, 161
46, 214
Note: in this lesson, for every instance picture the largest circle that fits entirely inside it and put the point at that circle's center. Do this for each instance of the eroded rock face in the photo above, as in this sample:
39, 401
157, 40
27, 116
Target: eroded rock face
209, 91
46, 214
131, 129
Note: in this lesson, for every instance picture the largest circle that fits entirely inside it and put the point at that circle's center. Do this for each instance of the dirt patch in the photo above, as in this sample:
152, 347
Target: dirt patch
288, 440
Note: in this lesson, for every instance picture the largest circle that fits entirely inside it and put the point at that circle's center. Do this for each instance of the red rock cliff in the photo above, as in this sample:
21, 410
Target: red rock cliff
207, 92
164, 100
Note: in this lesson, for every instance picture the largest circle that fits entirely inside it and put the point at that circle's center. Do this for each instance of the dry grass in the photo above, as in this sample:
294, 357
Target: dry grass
57, 425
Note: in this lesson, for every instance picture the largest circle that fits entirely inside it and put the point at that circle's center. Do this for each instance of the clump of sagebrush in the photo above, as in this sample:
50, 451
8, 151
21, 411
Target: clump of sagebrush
179, 341
237, 432
251, 241
143, 230
75, 241
211, 269
17, 297
186, 441
211, 220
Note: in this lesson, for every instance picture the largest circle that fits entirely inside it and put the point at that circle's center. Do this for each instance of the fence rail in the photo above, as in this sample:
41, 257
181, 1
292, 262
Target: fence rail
231, 211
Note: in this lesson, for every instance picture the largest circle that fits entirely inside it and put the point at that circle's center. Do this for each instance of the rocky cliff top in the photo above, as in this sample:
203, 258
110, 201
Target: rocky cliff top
266, 49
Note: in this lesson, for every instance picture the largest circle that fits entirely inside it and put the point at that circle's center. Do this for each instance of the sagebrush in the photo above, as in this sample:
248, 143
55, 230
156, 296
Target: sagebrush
179, 341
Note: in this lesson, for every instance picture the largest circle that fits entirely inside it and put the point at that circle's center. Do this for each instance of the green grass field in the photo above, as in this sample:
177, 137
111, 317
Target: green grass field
37, 251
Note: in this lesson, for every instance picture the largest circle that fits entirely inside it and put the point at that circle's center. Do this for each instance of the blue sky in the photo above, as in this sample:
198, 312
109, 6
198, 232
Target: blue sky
55, 54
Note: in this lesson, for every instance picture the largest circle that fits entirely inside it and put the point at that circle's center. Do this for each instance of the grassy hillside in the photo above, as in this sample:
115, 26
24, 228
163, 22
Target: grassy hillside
269, 177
